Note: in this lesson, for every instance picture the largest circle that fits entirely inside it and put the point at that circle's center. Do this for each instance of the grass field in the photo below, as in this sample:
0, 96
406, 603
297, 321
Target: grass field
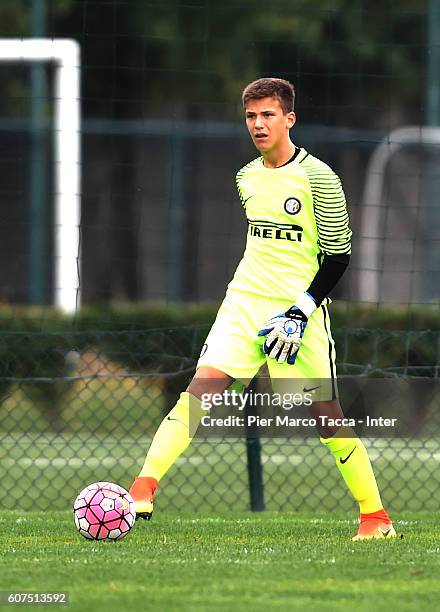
229, 562
215, 555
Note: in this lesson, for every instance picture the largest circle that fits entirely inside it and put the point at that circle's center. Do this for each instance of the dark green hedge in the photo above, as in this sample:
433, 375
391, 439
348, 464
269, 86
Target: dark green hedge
152, 316
34, 342
39, 347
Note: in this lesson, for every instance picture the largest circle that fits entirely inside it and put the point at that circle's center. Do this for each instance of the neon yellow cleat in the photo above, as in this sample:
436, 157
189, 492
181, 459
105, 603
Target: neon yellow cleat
142, 491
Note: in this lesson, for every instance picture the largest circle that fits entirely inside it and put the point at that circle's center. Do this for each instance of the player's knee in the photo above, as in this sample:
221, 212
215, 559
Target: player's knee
328, 416
327, 431
208, 381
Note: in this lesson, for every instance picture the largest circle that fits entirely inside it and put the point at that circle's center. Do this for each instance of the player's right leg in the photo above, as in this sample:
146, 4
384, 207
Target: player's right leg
174, 435
231, 351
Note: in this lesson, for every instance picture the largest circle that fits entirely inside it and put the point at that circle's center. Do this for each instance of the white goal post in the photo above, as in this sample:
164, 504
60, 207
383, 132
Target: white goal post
65, 55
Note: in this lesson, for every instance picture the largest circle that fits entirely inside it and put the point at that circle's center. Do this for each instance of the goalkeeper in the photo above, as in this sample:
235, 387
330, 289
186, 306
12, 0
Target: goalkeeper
275, 309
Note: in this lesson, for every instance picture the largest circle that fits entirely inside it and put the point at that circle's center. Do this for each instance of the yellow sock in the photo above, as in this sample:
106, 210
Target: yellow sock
173, 436
354, 464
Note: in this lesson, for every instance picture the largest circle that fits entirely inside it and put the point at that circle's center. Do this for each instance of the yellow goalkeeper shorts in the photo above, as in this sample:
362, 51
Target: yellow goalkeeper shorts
234, 347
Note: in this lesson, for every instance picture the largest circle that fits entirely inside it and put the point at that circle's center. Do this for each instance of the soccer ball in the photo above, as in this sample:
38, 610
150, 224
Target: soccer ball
104, 511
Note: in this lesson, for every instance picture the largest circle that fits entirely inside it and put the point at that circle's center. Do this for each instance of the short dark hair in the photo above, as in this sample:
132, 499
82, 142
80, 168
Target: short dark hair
271, 88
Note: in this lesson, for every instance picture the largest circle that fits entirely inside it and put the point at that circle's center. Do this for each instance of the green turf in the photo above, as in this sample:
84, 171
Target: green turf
227, 562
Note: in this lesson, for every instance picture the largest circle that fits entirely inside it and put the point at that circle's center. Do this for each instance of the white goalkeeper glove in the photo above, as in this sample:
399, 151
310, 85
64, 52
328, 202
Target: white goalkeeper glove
285, 331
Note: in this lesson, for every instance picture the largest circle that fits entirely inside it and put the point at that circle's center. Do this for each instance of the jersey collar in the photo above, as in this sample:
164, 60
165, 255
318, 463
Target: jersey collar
298, 155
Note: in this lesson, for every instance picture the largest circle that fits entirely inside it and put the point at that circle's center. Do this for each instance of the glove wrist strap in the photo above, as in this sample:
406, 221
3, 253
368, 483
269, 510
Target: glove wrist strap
306, 304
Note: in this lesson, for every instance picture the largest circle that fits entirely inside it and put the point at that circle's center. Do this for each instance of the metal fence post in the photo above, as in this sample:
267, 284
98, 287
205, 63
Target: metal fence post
254, 463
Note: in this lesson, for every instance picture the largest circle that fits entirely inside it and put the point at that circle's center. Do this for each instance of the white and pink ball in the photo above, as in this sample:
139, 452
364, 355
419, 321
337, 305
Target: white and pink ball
104, 511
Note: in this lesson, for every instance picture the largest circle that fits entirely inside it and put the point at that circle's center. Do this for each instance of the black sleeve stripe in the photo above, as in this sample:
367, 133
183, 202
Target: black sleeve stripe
239, 177
331, 230
331, 216
337, 214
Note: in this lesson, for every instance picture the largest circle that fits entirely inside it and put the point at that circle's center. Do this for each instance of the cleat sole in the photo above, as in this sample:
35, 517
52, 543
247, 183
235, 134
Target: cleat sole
146, 516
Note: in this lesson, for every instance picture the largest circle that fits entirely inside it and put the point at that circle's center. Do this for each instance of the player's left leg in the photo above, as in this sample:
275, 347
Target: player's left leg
316, 365
353, 462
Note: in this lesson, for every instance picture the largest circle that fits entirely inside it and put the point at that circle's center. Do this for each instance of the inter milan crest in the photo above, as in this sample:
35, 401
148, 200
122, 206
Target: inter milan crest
292, 206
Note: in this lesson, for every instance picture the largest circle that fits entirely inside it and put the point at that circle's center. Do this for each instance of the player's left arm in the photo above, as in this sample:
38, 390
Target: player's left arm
285, 331
334, 234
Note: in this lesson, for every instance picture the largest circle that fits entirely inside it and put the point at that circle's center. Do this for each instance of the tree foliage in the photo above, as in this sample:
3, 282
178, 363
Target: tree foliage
192, 57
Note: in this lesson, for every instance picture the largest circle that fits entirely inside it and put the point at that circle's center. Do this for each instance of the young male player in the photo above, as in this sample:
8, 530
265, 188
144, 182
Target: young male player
298, 247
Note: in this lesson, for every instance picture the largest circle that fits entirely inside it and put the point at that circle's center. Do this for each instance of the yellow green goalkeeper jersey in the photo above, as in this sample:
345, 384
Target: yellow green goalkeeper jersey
296, 213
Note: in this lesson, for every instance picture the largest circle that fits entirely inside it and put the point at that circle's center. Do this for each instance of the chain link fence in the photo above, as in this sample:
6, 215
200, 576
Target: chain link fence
78, 407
